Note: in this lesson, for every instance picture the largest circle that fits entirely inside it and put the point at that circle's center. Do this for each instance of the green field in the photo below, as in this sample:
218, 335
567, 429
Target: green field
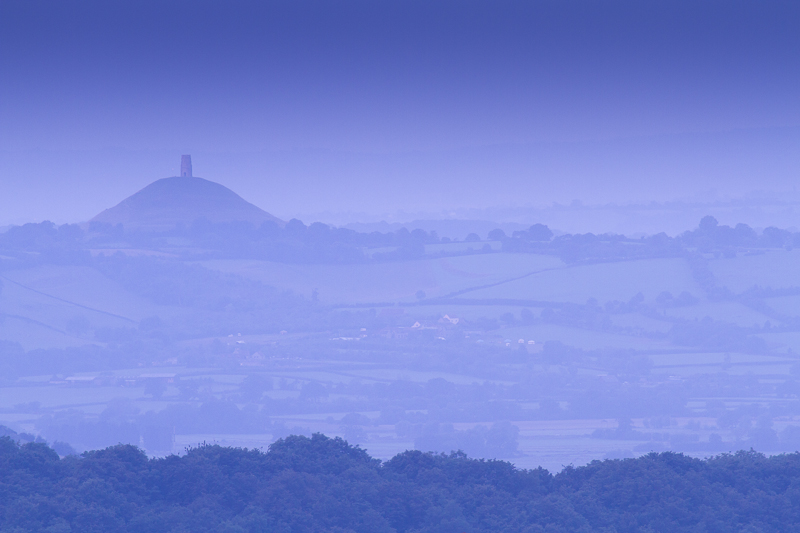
54, 306
730, 312
773, 268
461, 246
785, 305
784, 340
390, 281
82, 288
637, 323
602, 281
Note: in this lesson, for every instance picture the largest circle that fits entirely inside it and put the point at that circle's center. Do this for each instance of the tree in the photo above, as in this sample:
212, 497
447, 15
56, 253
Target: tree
526, 315
497, 235
539, 232
708, 224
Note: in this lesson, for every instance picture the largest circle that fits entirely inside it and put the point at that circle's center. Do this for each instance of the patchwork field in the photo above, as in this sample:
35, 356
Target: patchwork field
63, 306
42, 301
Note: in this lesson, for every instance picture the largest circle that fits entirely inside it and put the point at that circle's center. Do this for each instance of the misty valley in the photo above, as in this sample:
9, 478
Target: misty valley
456, 267
539, 349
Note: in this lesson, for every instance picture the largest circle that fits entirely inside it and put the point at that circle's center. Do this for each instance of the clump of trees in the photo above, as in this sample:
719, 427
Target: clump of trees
708, 237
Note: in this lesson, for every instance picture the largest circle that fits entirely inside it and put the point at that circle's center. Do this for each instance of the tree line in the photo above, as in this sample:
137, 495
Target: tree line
319, 484
296, 242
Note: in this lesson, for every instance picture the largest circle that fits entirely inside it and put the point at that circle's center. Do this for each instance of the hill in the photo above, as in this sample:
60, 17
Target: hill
181, 200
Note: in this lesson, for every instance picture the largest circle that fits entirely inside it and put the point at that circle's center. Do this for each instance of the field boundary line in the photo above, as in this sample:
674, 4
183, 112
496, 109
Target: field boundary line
68, 301
34, 321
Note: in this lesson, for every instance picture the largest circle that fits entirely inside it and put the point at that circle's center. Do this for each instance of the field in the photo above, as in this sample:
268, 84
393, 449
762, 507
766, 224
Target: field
729, 312
53, 306
79, 288
389, 281
785, 305
775, 269
604, 282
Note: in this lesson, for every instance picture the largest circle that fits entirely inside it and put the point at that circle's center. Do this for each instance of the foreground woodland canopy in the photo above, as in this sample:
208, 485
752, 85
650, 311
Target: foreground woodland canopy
320, 484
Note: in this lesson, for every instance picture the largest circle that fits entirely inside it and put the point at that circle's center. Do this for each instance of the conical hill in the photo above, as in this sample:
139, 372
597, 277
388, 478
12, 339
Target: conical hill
168, 202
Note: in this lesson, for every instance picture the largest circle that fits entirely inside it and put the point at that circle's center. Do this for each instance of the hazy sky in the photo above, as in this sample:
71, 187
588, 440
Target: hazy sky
377, 106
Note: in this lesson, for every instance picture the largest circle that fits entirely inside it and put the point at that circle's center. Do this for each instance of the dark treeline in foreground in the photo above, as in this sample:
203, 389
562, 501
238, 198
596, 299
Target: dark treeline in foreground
319, 484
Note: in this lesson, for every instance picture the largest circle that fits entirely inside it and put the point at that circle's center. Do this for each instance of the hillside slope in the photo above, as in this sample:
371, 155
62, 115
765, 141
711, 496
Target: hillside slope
182, 200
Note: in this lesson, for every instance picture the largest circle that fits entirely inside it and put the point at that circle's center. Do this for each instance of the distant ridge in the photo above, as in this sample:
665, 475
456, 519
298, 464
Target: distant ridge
181, 200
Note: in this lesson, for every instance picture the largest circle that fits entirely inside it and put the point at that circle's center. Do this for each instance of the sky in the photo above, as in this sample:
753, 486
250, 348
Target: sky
374, 107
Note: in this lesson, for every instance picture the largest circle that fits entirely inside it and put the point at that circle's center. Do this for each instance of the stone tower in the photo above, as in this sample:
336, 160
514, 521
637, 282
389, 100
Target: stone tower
186, 166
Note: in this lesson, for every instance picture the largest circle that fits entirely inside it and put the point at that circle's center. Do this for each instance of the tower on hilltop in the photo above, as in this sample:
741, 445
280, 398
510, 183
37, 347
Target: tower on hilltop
186, 166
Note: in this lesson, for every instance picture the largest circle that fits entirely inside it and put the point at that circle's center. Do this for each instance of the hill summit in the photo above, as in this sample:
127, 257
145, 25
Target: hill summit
181, 200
